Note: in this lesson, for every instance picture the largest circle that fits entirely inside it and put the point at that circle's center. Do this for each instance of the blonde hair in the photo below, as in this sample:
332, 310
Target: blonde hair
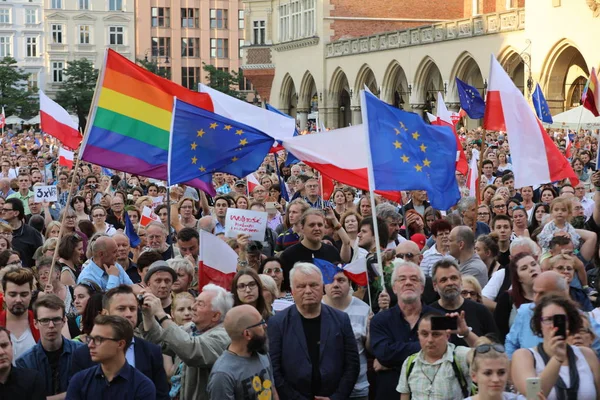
490, 355
50, 226
558, 257
565, 202
269, 284
471, 280
5, 227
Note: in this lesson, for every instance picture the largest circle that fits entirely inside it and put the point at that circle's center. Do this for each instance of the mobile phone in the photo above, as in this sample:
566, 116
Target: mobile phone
444, 323
533, 388
560, 321
271, 205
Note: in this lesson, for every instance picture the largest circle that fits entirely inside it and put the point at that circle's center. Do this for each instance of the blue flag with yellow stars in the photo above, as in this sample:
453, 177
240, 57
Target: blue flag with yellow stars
541, 105
203, 143
408, 154
470, 100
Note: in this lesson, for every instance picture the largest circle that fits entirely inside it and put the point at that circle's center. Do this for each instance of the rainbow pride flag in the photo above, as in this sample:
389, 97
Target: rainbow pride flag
130, 120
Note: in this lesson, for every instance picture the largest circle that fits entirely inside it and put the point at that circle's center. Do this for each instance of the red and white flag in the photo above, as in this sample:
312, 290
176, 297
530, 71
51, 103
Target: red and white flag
568, 152
473, 178
348, 165
447, 118
148, 216
252, 182
356, 271
217, 262
57, 122
65, 157
535, 157
2, 118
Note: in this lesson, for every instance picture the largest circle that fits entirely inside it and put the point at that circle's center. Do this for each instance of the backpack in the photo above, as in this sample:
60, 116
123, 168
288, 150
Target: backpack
457, 372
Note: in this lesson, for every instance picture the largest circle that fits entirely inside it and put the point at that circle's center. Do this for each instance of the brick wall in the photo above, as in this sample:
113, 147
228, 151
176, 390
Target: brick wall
262, 80
432, 9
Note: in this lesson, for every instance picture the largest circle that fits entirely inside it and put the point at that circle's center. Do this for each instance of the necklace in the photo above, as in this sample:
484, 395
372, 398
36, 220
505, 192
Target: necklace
430, 390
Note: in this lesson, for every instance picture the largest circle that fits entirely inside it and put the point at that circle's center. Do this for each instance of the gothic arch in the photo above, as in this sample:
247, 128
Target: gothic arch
467, 70
339, 95
366, 77
394, 87
308, 89
288, 97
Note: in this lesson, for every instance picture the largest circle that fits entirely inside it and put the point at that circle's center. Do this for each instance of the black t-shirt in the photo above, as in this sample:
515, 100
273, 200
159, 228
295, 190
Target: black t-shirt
53, 359
299, 252
477, 317
504, 258
312, 332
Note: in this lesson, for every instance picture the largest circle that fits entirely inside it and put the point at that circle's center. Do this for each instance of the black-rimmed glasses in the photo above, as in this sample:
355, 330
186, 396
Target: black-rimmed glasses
261, 323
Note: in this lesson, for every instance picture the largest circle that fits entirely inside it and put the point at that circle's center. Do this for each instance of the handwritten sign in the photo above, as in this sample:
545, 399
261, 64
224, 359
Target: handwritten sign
156, 201
45, 193
252, 223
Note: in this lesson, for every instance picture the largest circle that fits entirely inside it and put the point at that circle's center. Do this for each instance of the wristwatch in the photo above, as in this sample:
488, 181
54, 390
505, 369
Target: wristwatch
462, 337
160, 321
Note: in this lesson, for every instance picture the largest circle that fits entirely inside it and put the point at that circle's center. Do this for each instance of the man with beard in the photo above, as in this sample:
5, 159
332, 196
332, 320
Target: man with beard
53, 354
312, 345
244, 370
447, 281
17, 285
197, 345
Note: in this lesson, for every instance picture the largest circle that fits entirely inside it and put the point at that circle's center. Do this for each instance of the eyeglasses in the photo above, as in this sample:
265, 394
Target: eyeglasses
242, 286
273, 271
483, 214
562, 268
98, 215
405, 255
7, 209
17, 263
260, 191
98, 340
486, 348
262, 322
46, 321
470, 293
499, 206
550, 320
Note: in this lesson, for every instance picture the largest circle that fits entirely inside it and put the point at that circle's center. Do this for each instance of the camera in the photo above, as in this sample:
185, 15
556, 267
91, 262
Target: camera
93, 186
140, 298
254, 247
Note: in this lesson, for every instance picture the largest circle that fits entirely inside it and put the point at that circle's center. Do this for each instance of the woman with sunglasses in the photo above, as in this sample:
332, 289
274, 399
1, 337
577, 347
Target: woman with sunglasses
489, 367
566, 372
247, 289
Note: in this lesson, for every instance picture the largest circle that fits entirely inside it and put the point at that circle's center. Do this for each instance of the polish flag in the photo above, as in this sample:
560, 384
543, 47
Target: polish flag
2, 118
347, 165
57, 122
473, 178
356, 271
568, 152
148, 216
275, 125
446, 118
217, 262
252, 182
327, 187
65, 157
535, 157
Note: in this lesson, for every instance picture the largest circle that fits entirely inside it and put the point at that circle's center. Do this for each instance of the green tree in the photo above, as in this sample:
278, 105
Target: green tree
153, 67
77, 90
223, 81
15, 95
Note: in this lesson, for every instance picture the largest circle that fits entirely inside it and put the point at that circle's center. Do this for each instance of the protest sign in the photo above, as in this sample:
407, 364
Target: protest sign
156, 201
252, 223
45, 193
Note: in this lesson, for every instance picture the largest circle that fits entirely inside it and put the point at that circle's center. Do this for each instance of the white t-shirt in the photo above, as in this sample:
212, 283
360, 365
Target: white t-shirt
491, 289
22, 344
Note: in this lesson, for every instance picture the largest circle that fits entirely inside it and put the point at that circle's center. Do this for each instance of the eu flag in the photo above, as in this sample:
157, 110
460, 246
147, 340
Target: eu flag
407, 154
470, 100
541, 105
203, 143
328, 270
291, 159
134, 239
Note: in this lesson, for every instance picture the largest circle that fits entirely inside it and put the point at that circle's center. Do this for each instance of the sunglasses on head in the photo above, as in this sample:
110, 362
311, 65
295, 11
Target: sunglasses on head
486, 348
519, 207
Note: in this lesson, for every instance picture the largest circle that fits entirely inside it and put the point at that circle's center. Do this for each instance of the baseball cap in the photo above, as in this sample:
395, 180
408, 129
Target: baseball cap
240, 183
419, 239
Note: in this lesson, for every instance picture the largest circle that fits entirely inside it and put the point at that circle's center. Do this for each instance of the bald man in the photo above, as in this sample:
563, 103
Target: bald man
243, 371
407, 251
103, 267
521, 335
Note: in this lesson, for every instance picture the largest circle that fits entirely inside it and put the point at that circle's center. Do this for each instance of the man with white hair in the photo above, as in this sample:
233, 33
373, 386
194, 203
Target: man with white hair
199, 344
393, 335
319, 331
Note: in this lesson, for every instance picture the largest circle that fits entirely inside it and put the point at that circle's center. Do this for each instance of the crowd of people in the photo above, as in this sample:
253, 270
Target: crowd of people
482, 301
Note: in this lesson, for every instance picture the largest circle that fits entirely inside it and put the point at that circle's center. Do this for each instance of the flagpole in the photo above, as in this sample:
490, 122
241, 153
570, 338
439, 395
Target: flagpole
579, 122
371, 176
